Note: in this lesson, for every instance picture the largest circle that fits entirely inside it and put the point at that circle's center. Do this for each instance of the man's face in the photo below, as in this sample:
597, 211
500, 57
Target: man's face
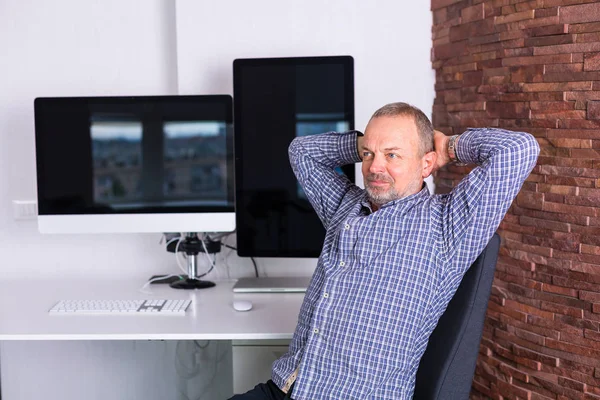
392, 164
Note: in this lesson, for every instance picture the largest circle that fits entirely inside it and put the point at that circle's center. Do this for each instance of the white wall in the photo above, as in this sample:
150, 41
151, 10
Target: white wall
71, 47
74, 48
83, 48
144, 47
390, 41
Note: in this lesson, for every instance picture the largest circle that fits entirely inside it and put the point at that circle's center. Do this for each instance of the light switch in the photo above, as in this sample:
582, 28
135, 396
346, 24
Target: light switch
25, 209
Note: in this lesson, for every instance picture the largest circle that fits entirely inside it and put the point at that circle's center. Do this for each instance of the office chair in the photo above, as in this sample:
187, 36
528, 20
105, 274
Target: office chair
447, 367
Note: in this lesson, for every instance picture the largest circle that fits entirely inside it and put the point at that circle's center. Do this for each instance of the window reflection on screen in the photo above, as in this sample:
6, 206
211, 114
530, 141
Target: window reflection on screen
195, 160
312, 124
158, 163
117, 161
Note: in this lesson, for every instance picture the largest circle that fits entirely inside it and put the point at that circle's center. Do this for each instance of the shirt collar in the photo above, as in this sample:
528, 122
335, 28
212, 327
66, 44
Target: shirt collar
403, 203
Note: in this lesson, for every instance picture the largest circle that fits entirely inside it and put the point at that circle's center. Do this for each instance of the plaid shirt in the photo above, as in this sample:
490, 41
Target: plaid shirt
384, 278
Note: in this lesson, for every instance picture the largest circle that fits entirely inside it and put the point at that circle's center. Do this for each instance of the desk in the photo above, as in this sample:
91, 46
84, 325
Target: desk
24, 313
104, 356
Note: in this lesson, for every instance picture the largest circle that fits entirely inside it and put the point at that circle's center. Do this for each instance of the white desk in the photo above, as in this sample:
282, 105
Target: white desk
104, 356
24, 313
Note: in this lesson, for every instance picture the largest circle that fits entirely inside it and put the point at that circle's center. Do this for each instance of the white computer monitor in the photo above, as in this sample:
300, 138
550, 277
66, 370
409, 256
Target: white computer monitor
135, 164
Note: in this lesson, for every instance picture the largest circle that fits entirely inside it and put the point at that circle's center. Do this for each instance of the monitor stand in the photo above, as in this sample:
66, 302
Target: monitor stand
192, 246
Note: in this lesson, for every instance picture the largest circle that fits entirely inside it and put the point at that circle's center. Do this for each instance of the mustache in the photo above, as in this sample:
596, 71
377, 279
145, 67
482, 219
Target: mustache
379, 177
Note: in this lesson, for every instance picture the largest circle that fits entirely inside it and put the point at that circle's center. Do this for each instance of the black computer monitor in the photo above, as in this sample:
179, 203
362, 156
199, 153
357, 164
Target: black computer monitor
275, 100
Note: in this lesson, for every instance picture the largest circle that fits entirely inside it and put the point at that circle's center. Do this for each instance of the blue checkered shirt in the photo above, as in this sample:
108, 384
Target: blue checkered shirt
384, 278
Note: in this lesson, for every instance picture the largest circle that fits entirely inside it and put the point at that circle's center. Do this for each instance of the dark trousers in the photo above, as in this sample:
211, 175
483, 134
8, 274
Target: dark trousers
264, 391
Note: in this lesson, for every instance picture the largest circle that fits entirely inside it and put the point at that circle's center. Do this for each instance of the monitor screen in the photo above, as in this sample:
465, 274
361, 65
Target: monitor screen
275, 100
135, 164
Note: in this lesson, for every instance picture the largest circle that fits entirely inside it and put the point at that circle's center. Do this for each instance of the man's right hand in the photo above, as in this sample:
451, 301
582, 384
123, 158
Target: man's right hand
359, 145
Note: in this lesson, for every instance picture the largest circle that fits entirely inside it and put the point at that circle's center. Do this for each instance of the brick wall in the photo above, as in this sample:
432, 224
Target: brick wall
533, 66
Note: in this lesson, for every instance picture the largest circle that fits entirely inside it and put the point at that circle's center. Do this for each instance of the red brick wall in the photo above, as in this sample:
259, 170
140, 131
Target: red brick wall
533, 66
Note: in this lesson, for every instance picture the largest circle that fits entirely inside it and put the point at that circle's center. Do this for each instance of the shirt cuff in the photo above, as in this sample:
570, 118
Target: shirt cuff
463, 147
348, 148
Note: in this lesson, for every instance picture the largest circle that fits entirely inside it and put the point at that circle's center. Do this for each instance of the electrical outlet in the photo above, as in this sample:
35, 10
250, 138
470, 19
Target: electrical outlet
25, 209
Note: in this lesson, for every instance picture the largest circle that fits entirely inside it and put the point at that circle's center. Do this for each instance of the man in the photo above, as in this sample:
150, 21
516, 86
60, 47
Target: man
393, 254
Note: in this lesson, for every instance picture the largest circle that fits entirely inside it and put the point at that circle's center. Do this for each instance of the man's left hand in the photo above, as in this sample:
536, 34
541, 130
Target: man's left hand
441, 148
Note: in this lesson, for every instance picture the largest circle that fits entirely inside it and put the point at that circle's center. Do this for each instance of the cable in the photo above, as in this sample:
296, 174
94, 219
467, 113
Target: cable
171, 240
143, 288
179, 238
177, 258
212, 264
196, 342
255, 267
226, 255
183, 370
207, 272
206, 250
221, 236
181, 267
218, 359
194, 367
252, 258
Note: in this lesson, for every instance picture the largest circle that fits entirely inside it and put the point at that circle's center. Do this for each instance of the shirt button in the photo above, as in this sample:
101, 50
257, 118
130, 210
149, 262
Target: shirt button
342, 264
346, 227
315, 330
326, 295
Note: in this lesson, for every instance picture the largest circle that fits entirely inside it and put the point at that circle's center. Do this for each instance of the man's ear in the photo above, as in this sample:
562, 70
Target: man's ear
429, 161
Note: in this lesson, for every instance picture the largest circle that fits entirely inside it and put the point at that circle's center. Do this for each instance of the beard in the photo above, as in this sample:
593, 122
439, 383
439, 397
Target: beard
378, 195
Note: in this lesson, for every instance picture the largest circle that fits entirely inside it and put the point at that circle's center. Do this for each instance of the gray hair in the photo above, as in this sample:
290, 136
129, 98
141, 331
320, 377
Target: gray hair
424, 126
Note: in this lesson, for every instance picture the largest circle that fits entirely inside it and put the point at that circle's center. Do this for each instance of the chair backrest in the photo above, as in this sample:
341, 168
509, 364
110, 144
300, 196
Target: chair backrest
447, 367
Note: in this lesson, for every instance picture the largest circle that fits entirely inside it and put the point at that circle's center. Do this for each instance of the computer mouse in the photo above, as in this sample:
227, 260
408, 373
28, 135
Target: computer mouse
242, 305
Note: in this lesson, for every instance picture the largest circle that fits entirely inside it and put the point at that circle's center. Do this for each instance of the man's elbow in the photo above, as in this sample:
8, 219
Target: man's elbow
527, 147
532, 150
294, 148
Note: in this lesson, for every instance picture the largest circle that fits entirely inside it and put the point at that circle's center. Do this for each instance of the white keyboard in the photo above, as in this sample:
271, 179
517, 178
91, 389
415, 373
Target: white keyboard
120, 307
